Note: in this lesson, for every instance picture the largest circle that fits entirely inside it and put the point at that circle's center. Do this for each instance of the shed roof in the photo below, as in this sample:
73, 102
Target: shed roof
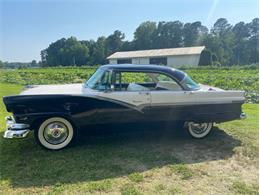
157, 52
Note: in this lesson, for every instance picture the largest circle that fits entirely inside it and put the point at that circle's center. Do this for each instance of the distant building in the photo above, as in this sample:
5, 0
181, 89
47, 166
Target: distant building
174, 57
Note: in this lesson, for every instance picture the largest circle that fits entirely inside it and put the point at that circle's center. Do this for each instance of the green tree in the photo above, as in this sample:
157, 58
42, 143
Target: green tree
241, 34
65, 52
34, 63
229, 44
1, 64
90, 45
99, 51
214, 58
114, 42
220, 27
253, 44
144, 35
205, 58
169, 34
192, 33
222, 35
43, 58
128, 46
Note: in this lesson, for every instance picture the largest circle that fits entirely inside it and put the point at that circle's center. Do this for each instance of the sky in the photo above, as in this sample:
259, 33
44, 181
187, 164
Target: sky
29, 26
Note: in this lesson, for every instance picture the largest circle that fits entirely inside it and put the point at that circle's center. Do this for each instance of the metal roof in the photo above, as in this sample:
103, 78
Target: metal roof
157, 52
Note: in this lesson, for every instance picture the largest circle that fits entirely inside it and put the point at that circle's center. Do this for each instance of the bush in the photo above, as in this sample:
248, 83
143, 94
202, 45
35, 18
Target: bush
216, 63
214, 58
205, 58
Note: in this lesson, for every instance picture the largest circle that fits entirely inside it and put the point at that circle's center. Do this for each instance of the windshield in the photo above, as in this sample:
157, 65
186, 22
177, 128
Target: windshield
190, 83
100, 80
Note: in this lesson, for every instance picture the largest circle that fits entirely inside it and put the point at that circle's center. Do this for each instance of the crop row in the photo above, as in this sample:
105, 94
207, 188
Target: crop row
238, 79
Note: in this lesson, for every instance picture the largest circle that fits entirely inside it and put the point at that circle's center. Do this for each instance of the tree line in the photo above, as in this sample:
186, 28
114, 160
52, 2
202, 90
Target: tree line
226, 44
12, 65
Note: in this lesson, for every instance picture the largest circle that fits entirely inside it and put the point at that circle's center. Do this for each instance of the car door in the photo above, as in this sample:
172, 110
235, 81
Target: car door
171, 105
133, 100
169, 101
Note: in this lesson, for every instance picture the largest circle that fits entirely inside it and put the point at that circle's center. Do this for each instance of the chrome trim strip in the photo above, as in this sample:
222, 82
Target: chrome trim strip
184, 103
195, 103
126, 104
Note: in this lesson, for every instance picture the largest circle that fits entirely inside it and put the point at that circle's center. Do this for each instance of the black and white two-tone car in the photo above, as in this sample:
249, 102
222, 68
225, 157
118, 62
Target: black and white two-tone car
123, 93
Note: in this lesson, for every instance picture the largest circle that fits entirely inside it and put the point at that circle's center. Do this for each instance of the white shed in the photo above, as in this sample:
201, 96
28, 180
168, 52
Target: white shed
174, 57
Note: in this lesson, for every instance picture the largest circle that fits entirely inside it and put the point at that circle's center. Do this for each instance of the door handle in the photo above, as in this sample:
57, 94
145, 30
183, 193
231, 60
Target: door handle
144, 93
189, 92
137, 101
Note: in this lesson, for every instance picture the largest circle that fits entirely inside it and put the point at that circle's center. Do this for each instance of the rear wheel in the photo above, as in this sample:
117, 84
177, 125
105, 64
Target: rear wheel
55, 133
199, 130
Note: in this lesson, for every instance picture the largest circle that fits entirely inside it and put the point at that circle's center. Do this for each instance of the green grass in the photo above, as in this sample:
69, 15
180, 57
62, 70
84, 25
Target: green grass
129, 190
149, 161
136, 177
239, 78
183, 170
160, 187
242, 188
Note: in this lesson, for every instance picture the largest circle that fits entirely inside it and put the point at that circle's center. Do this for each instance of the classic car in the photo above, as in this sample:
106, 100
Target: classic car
122, 93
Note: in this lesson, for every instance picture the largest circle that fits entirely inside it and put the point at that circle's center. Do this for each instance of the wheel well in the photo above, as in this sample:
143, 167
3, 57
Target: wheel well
37, 122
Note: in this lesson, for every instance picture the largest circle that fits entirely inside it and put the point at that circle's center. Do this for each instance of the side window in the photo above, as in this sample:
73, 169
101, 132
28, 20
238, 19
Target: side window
104, 82
165, 82
133, 81
135, 77
144, 81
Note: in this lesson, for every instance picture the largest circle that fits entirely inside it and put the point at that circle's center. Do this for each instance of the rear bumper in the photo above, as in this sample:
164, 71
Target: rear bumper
15, 130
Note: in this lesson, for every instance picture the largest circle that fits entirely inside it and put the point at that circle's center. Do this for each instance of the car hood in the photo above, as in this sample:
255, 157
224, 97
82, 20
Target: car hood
52, 89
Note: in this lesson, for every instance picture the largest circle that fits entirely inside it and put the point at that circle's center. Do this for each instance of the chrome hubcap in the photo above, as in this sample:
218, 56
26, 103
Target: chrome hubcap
55, 133
198, 128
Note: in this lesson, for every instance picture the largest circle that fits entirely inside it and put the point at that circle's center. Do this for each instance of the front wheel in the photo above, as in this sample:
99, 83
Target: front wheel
55, 133
199, 130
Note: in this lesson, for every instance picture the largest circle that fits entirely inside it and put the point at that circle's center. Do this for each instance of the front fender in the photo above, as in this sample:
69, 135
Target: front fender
80, 110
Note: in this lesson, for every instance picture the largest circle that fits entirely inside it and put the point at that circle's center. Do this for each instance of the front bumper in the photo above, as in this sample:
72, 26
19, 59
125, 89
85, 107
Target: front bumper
15, 130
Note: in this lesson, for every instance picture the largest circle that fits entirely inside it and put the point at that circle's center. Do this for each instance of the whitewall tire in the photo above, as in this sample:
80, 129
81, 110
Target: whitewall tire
55, 133
199, 130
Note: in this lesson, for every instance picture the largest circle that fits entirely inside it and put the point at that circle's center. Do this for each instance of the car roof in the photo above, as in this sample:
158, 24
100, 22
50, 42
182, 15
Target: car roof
179, 75
137, 67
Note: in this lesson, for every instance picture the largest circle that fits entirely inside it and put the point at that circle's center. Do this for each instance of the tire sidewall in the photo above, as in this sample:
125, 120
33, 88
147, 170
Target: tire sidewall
40, 137
202, 135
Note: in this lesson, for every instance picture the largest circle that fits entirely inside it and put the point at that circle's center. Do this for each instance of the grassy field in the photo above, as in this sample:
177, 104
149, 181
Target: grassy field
239, 78
146, 160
